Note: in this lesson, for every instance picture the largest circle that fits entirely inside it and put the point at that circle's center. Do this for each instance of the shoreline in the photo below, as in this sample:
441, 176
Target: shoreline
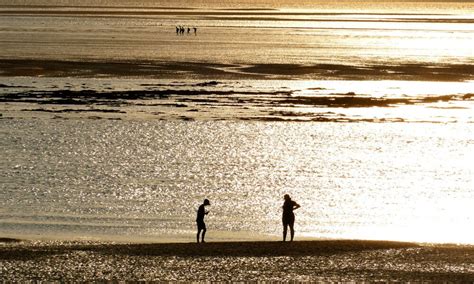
12, 240
317, 260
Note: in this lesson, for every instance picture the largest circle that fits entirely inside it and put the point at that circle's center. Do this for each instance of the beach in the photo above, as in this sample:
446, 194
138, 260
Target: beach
115, 126
322, 260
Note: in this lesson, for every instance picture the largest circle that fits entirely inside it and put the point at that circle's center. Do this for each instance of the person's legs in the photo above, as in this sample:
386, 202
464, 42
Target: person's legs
291, 223
201, 228
284, 231
203, 234
292, 230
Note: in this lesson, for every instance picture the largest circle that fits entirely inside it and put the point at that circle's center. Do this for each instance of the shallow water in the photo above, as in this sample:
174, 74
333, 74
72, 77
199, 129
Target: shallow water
352, 34
143, 180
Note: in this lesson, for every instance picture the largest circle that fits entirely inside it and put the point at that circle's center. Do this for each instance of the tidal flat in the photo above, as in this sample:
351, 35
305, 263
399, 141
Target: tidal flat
115, 126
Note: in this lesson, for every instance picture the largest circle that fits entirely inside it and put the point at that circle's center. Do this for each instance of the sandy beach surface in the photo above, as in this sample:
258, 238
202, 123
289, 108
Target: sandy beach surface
320, 260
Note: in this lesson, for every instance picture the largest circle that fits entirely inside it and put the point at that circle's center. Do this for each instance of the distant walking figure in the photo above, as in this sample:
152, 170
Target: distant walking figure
288, 216
195, 30
201, 226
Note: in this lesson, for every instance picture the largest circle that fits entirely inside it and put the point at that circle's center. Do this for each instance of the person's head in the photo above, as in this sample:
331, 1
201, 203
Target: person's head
206, 202
287, 197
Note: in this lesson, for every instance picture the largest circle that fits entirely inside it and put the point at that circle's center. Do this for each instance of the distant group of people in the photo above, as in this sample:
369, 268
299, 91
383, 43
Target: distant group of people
180, 30
288, 218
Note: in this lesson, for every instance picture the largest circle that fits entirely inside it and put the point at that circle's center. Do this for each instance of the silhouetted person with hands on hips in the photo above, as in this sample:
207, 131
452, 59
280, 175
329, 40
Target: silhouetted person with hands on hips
201, 226
288, 216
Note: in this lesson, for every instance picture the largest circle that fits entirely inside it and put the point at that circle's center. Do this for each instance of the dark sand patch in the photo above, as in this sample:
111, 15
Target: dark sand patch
76, 110
212, 71
9, 240
5, 86
83, 69
422, 72
468, 96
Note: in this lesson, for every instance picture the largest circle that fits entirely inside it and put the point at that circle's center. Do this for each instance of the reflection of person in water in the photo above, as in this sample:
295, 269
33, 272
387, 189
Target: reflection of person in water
201, 226
288, 216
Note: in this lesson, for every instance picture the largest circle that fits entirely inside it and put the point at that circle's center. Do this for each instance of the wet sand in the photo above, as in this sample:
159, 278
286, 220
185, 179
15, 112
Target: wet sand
199, 91
219, 71
329, 260
203, 100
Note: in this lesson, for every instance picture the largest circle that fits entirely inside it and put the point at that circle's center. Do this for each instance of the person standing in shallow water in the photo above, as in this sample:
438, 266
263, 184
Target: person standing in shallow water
201, 226
288, 216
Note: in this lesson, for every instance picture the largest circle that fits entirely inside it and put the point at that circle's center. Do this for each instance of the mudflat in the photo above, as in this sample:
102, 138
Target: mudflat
203, 70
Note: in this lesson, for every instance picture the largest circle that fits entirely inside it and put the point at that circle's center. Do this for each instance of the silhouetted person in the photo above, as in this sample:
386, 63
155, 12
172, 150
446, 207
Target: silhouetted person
288, 216
177, 30
195, 30
201, 226
189, 30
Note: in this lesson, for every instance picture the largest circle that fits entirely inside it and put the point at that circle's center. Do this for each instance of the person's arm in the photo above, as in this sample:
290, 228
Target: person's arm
296, 206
